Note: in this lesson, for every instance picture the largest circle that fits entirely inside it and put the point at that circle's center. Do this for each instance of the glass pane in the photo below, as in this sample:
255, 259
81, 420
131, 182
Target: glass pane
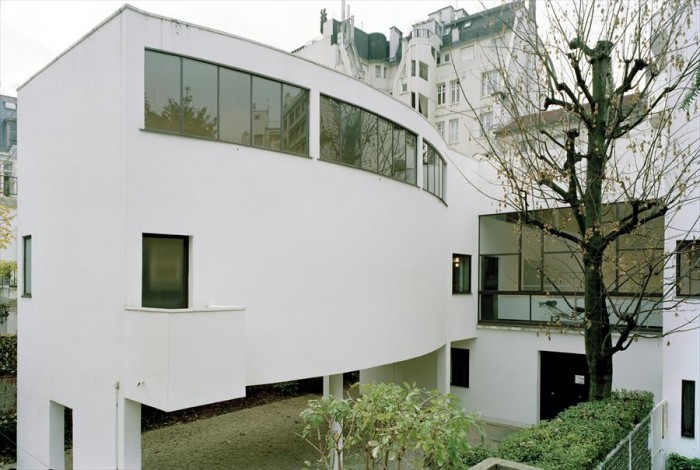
369, 141
162, 90
234, 103
351, 134
461, 270
330, 129
639, 271
267, 102
563, 272
164, 272
199, 108
295, 120
531, 258
398, 151
384, 134
499, 273
498, 234
411, 156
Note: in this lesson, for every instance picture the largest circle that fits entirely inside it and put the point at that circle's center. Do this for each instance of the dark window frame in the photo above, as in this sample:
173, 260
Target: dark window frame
459, 367
27, 266
457, 261
688, 408
685, 248
186, 269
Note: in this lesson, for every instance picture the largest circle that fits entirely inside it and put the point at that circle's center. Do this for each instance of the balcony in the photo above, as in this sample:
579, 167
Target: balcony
8, 185
175, 359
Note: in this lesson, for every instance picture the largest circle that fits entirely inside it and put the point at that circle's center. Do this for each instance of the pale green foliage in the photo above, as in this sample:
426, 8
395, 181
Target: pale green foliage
6, 234
388, 425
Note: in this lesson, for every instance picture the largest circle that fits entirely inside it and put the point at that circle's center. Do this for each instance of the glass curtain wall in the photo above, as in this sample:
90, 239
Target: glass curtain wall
195, 98
359, 138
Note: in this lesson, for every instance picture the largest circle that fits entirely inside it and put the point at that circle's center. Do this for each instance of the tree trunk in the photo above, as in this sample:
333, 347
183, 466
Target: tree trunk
597, 328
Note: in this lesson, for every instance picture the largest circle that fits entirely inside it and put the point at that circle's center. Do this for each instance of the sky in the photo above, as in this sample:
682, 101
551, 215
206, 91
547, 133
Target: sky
32, 33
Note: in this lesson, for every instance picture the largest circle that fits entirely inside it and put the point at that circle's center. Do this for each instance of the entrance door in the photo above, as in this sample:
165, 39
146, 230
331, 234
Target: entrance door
563, 382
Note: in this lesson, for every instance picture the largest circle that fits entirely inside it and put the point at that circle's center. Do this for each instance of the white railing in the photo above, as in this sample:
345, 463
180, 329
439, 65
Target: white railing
643, 448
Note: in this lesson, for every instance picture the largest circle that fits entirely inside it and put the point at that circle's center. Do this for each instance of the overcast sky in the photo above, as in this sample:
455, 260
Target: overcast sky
32, 33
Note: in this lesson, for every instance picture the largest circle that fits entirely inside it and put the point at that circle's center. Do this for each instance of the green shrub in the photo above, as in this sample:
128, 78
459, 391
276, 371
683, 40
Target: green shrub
386, 425
8, 354
580, 436
678, 462
290, 388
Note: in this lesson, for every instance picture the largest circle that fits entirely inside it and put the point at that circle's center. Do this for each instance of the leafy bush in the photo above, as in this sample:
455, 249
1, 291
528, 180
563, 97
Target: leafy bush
8, 434
678, 462
580, 436
8, 354
290, 388
386, 424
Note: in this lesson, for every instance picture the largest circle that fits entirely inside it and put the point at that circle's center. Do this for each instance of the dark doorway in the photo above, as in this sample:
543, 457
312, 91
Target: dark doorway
563, 382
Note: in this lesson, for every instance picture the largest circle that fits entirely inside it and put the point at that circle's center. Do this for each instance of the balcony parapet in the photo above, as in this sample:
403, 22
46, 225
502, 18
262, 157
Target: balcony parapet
179, 358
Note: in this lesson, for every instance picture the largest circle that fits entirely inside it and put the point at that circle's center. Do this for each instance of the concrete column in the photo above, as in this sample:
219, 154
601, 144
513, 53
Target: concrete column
130, 448
443, 368
333, 385
57, 458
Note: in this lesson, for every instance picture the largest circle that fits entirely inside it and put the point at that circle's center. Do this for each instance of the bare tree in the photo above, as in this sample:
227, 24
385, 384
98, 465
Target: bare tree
593, 149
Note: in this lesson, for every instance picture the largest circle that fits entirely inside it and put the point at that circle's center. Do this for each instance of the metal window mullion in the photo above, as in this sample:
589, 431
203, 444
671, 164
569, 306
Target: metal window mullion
182, 85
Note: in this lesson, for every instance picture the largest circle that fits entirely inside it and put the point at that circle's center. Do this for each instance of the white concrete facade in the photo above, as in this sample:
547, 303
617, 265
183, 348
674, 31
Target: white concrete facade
298, 267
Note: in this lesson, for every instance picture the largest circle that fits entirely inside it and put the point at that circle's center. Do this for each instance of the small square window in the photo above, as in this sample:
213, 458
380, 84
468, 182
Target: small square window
688, 268
461, 274
165, 271
27, 266
459, 359
688, 408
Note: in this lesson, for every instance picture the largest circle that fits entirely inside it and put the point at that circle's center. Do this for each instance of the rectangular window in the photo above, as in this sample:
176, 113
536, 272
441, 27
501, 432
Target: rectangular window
404, 87
162, 92
433, 171
359, 138
378, 71
461, 274
446, 58
455, 35
295, 119
466, 53
413, 68
454, 131
454, 91
423, 70
441, 94
27, 266
195, 98
267, 103
234, 106
486, 121
440, 126
165, 271
688, 268
490, 83
688, 408
459, 359
199, 101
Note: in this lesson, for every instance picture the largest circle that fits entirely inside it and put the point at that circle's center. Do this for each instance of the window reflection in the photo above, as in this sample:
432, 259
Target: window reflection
267, 96
195, 98
295, 119
162, 89
199, 106
359, 138
234, 102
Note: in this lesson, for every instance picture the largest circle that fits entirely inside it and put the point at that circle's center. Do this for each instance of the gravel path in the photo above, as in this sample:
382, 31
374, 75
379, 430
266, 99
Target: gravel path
259, 438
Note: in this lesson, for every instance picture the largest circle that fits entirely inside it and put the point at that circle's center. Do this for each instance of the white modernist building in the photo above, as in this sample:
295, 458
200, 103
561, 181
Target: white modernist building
212, 213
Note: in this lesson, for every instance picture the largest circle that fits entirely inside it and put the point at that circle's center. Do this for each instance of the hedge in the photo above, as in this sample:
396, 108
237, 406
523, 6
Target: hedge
678, 462
8, 354
581, 436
